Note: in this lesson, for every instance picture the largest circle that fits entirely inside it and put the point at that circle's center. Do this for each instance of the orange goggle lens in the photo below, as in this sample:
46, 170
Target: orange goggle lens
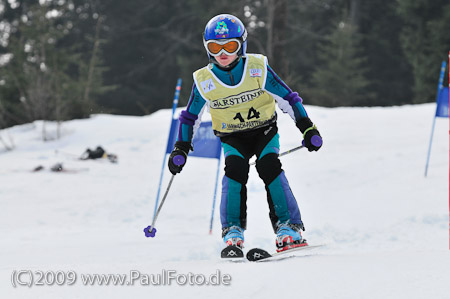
230, 47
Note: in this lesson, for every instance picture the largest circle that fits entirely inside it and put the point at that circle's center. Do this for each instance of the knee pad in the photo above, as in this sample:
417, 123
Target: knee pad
269, 168
237, 168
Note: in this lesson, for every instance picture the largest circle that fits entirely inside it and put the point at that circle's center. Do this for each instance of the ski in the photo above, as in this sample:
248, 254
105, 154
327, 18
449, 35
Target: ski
258, 254
232, 253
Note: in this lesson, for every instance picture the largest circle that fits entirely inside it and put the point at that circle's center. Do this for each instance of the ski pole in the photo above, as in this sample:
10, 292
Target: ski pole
315, 140
150, 231
286, 152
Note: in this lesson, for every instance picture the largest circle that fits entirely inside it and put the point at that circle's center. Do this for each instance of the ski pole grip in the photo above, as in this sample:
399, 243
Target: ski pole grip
179, 160
316, 140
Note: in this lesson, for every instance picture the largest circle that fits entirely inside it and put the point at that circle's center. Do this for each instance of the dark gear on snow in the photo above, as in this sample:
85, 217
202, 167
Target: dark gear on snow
58, 167
98, 153
93, 154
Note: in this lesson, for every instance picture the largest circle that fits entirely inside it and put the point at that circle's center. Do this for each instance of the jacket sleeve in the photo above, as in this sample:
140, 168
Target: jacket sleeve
190, 118
288, 101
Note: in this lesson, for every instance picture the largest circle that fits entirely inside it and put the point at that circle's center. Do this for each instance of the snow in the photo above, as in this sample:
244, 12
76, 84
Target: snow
363, 195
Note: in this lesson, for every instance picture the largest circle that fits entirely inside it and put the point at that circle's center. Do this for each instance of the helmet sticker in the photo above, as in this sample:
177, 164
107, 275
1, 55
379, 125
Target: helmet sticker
221, 29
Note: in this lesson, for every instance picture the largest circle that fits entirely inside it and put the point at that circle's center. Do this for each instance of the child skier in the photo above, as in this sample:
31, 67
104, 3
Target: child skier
240, 91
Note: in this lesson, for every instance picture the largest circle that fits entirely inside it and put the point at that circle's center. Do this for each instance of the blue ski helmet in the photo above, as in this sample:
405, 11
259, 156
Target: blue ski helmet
226, 26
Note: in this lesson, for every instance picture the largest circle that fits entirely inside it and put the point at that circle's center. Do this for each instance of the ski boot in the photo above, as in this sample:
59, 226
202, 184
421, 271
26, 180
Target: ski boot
233, 237
289, 236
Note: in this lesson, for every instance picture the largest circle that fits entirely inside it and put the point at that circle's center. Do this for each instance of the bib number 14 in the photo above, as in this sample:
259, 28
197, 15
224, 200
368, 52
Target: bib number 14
252, 113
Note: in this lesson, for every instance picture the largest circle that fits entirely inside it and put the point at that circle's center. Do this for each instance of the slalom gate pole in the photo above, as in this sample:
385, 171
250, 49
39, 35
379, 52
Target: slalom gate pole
440, 86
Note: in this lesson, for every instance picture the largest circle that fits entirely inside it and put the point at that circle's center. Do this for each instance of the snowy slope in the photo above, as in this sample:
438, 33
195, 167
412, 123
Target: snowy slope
363, 194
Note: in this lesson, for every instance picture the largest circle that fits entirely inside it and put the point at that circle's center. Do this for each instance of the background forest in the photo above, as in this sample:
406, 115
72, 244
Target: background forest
65, 59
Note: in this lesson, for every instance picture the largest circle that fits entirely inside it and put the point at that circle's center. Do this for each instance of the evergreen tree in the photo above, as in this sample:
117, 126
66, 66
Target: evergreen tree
55, 67
37, 67
388, 70
425, 41
340, 80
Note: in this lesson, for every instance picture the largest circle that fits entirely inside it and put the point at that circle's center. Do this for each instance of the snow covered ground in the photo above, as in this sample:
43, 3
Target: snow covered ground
364, 195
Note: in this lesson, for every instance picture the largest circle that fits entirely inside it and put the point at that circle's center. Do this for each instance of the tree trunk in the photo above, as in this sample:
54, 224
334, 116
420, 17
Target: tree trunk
92, 62
280, 24
269, 25
276, 35
354, 12
44, 131
7, 147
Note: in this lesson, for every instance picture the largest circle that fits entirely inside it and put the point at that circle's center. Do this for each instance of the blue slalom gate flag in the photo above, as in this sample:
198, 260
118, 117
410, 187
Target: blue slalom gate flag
442, 103
205, 143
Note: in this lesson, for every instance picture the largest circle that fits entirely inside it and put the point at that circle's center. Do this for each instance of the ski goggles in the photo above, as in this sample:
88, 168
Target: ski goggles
227, 46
